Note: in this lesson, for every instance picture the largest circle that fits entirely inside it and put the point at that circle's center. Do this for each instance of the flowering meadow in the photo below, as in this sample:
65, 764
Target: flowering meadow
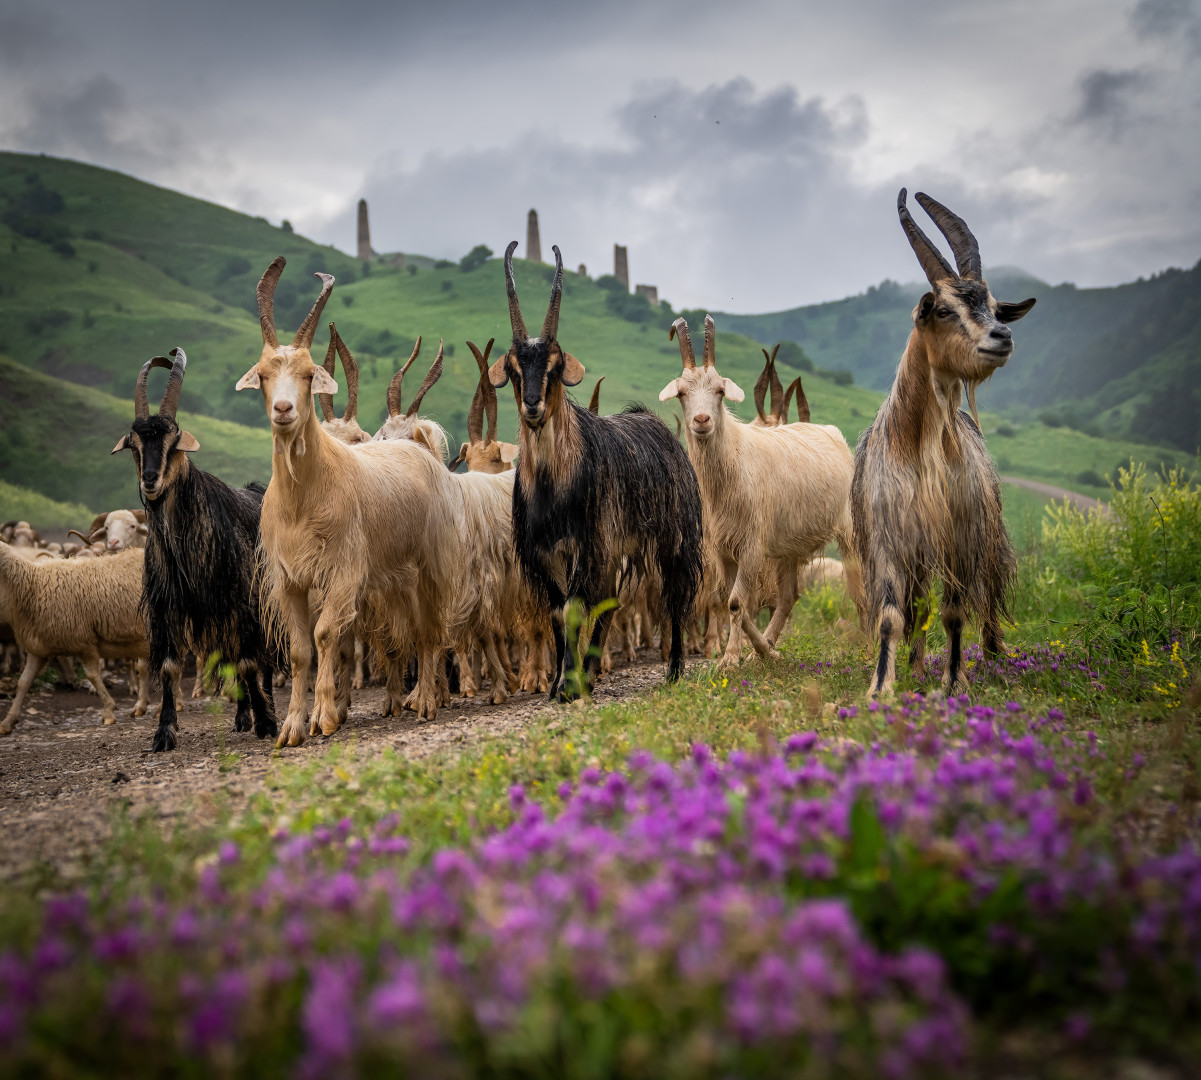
754, 873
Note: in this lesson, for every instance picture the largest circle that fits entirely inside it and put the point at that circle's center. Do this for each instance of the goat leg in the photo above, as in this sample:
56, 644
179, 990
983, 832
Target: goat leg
33, 665
168, 716
292, 732
328, 637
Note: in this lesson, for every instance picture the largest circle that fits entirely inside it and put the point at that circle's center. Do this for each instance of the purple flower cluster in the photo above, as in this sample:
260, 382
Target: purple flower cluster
710, 914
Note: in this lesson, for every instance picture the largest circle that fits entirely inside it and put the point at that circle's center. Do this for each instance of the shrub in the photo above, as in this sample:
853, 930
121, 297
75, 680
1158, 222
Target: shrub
794, 356
53, 319
475, 258
1050, 419
286, 225
447, 285
1006, 431
1090, 478
444, 264
347, 299
234, 266
412, 269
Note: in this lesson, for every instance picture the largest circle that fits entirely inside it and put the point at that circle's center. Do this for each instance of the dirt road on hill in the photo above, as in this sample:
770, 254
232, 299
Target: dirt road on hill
63, 774
1082, 503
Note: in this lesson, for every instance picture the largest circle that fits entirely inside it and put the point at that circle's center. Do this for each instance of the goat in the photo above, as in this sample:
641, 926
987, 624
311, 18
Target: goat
87, 608
369, 528
482, 452
344, 428
770, 493
590, 490
768, 377
926, 498
407, 424
197, 592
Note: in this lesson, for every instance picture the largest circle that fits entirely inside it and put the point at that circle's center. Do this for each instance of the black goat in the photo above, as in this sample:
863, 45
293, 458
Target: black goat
596, 498
198, 586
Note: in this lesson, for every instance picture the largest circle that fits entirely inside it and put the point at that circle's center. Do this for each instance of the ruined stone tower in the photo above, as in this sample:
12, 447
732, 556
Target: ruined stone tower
533, 243
621, 265
364, 247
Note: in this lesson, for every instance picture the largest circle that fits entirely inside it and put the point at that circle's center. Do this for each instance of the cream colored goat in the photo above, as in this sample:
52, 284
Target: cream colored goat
370, 528
88, 609
778, 493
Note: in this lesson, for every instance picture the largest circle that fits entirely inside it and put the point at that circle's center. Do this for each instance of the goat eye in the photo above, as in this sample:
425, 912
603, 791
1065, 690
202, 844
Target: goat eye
944, 313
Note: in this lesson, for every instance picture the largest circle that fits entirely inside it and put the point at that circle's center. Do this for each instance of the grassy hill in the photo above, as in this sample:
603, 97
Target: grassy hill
99, 271
1124, 360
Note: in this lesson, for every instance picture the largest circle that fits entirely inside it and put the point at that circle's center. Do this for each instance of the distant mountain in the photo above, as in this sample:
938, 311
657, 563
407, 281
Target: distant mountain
1115, 361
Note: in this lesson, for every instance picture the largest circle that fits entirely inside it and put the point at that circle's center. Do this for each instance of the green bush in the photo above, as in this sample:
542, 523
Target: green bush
792, 355
1006, 431
475, 258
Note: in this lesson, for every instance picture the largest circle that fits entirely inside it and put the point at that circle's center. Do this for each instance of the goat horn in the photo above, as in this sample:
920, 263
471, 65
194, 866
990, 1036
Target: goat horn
265, 293
777, 387
551, 326
936, 267
327, 400
710, 342
515, 319
486, 392
141, 407
959, 236
802, 402
679, 329
431, 377
594, 404
760, 384
179, 364
351, 366
86, 539
304, 336
394, 399
458, 460
475, 415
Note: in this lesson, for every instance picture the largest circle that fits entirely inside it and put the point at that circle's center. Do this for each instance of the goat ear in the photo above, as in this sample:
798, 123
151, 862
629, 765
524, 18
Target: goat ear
733, 390
143, 530
1008, 313
924, 306
187, 442
498, 374
509, 452
672, 389
323, 381
122, 444
249, 381
573, 370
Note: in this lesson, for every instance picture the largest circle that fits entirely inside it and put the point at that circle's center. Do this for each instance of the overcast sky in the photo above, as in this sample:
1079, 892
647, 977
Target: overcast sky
748, 154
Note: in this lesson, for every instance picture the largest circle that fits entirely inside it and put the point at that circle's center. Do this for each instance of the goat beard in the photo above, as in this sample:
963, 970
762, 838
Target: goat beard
287, 448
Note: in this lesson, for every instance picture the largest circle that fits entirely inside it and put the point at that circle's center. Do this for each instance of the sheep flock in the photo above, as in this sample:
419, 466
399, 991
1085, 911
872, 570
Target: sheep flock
372, 558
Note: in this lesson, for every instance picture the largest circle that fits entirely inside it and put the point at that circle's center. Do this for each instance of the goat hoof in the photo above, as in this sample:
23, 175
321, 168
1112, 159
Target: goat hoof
109, 720
6, 728
164, 739
266, 726
292, 733
499, 697
139, 710
774, 654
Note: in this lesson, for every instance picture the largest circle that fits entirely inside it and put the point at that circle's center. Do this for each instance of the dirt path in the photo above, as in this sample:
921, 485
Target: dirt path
63, 774
1082, 503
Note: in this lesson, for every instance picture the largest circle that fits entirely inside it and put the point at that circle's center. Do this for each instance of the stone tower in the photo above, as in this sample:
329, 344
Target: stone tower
621, 265
364, 248
533, 243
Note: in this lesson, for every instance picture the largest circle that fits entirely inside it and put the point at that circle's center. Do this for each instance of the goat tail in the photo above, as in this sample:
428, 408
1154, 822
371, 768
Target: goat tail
852, 571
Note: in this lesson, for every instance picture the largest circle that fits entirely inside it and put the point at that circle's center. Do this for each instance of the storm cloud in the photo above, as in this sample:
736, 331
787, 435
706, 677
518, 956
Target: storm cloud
748, 157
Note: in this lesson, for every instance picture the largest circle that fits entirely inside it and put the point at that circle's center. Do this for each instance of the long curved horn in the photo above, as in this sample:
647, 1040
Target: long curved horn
679, 329
351, 366
802, 402
475, 416
431, 377
777, 387
326, 401
265, 293
394, 398
710, 342
959, 236
304, 336
179, 365
486, 391
936, 267
760, 385
86, 539
515, 320
594, 404
141, 408
550, 326
458, 459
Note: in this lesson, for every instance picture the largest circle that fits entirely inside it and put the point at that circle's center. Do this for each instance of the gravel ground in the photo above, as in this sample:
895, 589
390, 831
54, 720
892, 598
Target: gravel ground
63, 775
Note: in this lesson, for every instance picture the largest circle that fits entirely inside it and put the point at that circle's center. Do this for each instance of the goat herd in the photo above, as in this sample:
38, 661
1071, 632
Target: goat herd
370, 549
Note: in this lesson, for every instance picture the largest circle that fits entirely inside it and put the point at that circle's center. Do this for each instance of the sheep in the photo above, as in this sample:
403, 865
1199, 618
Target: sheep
770, 493
590, 491
369, 528
88, 609
119, 529
482, 452
926, 497
197, 592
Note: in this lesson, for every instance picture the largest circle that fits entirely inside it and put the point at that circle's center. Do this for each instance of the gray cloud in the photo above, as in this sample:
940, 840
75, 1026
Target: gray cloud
1174, 20
1106, 97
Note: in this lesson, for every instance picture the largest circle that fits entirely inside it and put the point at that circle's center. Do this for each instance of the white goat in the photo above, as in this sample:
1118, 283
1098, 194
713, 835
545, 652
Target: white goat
769, 493
370, 528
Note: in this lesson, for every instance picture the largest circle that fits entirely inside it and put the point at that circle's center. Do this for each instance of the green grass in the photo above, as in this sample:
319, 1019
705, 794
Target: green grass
20, 504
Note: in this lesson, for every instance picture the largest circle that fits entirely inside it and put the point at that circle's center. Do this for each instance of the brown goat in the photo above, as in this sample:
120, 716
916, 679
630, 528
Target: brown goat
481, 451
926, 499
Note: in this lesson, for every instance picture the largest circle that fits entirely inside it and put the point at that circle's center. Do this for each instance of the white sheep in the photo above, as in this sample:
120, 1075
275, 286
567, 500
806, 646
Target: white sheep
88, 609
769, 493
